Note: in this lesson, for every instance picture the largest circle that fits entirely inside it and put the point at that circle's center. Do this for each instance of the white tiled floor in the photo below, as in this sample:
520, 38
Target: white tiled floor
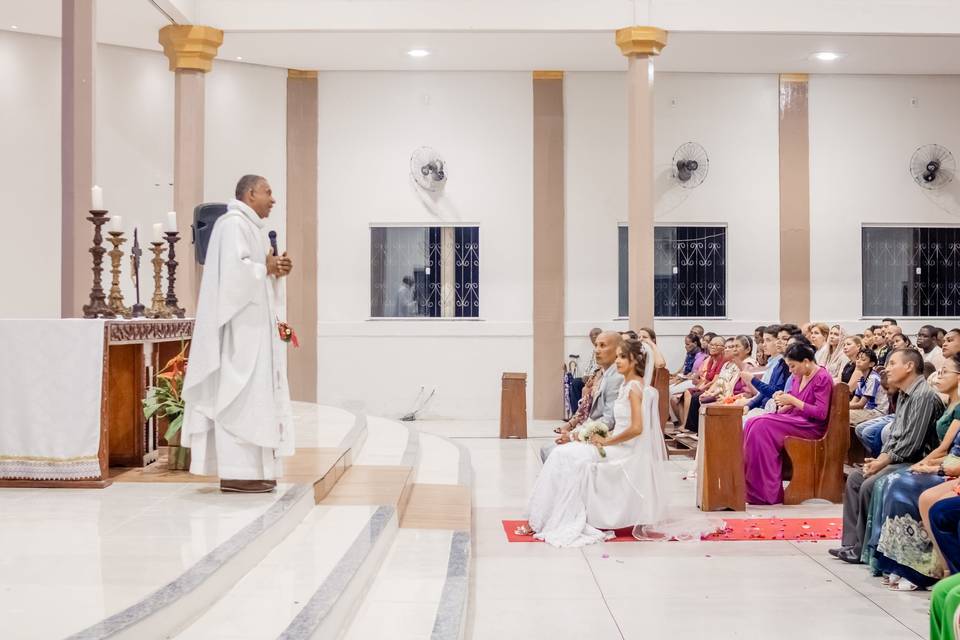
92, 553
761, 590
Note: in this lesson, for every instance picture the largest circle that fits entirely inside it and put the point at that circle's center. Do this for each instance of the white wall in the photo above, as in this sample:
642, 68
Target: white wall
134, 152
246, 132
30, 166
735, 118
370, 123
133, 147
863, 131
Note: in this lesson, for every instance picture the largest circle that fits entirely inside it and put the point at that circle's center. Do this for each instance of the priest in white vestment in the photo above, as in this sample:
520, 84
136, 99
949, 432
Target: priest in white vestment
238, 419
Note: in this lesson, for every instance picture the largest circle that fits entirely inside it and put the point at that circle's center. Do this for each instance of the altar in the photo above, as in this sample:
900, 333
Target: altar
72, 397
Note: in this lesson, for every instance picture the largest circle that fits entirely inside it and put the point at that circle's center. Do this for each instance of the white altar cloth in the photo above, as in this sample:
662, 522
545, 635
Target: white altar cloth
50, 398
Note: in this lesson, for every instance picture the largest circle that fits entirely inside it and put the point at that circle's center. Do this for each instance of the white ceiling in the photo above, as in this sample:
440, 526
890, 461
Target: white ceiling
135, 23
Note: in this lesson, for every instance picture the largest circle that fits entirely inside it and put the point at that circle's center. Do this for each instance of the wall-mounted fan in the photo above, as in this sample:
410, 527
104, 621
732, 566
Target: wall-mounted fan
932, 166
428, 169
690, 165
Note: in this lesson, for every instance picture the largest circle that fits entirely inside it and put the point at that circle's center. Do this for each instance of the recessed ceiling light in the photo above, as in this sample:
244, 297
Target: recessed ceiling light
826, 56
239, 57
14, 27
418, 53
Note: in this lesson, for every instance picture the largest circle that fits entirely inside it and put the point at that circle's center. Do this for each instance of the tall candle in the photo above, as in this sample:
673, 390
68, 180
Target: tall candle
96, 198
157, 232
171, 221
116, 223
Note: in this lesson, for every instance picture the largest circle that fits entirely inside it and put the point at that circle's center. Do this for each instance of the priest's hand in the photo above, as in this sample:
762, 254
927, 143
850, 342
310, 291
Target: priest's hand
279, 266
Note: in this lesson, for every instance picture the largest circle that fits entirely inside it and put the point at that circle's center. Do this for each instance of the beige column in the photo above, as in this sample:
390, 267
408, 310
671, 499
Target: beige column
548, 244
302, 132
191, 50
794, 199
640, 45
78, 57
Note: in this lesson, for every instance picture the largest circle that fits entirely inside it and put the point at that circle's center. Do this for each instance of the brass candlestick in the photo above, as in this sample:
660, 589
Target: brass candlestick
172, 304
158, 308
97, 308
116, 296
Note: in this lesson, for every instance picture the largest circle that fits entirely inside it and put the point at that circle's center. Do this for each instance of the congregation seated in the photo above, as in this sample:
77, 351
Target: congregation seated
869, 399
685, 378
897, 542
818, 333
835, 359
802, 411
708, 372
761, 356
910, 439
850, 347
774, 377
578, 383
726, 385
929, 347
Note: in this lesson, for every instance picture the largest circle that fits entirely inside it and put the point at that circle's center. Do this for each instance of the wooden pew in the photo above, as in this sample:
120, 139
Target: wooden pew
661, 382
720, 476
818, 464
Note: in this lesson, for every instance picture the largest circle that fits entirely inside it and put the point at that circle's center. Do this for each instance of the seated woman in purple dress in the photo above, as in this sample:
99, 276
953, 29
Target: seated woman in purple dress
801, 412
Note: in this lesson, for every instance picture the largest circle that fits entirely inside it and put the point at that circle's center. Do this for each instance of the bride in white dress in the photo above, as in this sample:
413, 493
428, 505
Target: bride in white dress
580, 496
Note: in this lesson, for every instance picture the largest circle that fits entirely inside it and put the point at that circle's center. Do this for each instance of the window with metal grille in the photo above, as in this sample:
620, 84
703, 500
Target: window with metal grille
910, 271
690, 272
425, 272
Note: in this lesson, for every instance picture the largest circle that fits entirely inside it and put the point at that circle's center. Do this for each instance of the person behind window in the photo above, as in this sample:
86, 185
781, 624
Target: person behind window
802, 412
406, 299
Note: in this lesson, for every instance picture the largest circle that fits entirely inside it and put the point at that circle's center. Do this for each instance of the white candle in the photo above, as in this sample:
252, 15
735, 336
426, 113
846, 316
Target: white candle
171, 221
96, 198
157, 232
116, 223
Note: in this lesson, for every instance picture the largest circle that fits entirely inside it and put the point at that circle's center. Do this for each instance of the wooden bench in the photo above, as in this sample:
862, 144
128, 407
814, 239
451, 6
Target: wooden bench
720, 476
661, 382
818, 464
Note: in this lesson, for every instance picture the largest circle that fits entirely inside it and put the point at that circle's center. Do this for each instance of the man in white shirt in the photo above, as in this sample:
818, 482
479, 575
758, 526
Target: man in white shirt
927, 343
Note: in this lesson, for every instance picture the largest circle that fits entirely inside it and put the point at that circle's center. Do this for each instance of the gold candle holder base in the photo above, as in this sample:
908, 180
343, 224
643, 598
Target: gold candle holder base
115, 299
158, 307
97, 307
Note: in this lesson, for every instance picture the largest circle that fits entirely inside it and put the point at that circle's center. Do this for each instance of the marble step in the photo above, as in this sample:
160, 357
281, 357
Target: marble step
309, 585
420, 591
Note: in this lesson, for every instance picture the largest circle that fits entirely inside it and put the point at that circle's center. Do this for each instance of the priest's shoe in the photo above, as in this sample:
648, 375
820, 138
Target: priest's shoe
837, 551
248, 486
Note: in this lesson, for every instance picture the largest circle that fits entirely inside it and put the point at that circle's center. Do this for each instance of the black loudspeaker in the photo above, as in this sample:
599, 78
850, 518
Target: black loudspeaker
204, 216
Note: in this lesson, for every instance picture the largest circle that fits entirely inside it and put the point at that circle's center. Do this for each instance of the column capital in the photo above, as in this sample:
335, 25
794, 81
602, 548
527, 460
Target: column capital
301, 74
547, 75
645, 41
190, 46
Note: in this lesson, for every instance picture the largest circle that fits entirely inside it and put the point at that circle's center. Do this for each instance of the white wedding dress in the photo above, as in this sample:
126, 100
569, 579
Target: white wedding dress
579, 494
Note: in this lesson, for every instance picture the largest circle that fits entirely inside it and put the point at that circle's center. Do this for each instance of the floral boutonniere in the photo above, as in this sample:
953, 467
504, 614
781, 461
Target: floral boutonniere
287, 334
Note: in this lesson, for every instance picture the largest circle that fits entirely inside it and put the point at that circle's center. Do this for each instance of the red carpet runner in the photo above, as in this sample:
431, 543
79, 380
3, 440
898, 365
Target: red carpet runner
737, 529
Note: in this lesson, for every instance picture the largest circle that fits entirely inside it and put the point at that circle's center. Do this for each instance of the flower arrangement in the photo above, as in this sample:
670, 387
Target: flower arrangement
590, 429
165, 400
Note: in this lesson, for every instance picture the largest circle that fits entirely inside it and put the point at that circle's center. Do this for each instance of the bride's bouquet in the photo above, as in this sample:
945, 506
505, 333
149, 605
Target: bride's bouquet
593, 428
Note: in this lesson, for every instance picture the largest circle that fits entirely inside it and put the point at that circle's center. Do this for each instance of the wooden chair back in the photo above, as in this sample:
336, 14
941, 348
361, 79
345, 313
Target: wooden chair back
661, 382
818, 464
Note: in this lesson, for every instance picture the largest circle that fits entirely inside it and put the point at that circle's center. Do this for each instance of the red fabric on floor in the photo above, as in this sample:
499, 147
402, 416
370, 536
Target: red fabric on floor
737, 529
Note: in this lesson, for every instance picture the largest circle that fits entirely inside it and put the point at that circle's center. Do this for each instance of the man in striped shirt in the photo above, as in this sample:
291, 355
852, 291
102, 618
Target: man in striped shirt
913, 434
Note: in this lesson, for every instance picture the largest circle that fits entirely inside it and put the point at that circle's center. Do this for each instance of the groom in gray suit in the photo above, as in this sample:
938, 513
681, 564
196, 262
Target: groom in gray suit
604, 394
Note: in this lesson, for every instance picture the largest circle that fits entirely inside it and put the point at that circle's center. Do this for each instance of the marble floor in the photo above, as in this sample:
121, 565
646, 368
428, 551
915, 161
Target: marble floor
762, 590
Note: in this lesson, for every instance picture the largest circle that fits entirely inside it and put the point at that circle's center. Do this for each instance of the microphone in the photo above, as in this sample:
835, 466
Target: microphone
273, 242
